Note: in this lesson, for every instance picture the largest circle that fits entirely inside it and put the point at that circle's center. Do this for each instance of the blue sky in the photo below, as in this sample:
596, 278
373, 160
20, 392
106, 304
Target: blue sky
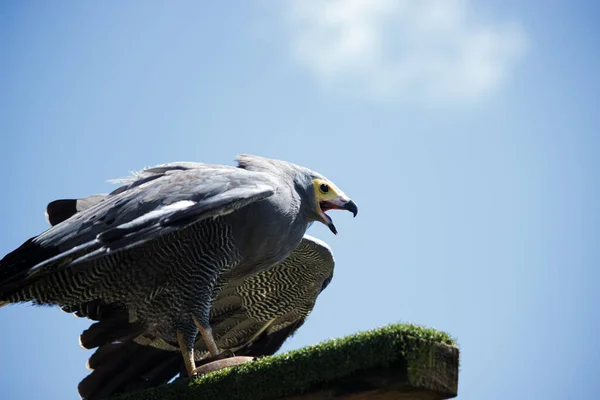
467, 132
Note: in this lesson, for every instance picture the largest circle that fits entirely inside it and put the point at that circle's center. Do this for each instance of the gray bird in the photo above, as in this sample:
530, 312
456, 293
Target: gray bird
249, 317
159, 244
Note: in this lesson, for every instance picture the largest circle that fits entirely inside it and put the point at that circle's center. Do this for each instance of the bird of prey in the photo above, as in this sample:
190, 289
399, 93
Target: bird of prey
250, 317
159, 244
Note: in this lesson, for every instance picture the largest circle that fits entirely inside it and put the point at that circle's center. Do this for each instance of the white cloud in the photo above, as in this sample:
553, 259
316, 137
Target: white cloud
407, 49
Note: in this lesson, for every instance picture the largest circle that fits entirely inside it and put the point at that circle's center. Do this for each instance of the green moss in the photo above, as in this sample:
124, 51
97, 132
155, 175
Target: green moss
296, 371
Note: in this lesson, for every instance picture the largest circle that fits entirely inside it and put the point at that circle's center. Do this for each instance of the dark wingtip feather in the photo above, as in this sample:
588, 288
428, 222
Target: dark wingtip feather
126, 367
58, 211
116, 328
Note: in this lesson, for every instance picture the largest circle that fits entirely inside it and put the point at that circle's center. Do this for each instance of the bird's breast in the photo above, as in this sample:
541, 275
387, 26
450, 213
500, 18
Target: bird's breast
265, 235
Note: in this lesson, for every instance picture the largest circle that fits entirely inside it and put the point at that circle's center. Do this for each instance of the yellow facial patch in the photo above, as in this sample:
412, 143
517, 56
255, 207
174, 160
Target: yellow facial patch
325, 190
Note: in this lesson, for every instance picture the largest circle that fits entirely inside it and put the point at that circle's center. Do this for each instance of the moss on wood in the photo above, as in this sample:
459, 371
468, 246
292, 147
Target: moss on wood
419, 357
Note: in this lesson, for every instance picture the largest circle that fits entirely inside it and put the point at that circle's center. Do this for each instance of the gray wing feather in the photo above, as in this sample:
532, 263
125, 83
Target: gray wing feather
163, 200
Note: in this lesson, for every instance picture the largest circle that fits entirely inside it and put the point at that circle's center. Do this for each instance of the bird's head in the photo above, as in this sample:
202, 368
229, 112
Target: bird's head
318, 193
327, 196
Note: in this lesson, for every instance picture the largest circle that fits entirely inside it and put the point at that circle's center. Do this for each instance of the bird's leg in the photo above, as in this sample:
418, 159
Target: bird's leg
206, 332
187, 338
186, 345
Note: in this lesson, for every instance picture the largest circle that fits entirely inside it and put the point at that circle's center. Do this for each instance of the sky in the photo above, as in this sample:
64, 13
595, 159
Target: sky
466, 132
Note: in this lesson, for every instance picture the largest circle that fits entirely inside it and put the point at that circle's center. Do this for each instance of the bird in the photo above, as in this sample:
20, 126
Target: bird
250, 317
159, 244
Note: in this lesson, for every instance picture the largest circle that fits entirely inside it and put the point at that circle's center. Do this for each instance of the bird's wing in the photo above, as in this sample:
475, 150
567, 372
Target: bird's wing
159, 201
121, 365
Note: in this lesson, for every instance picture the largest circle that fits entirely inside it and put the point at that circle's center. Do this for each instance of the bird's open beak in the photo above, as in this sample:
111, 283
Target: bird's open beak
338, 203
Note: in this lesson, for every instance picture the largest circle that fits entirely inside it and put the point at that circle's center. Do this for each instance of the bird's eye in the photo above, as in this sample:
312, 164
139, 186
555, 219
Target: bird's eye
324, 188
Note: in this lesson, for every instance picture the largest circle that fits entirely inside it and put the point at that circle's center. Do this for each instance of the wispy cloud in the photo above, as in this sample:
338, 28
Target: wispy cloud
406, 49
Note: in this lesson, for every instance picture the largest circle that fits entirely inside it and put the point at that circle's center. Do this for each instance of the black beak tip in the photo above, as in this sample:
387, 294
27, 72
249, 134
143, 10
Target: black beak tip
332, 228
352, 207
